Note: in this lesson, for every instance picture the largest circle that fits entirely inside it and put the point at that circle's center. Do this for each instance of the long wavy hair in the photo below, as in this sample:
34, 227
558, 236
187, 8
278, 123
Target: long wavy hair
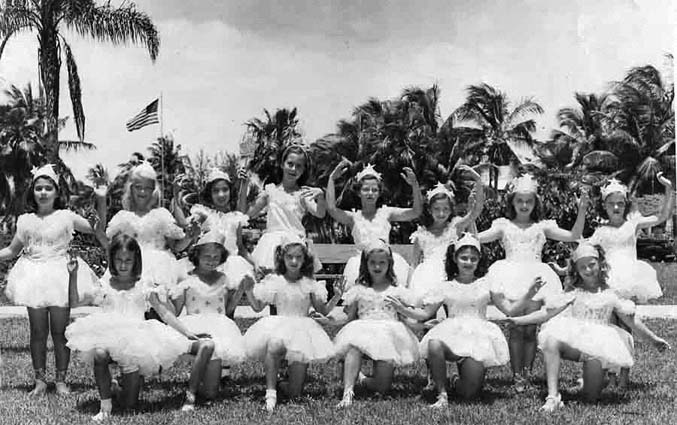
451, 268
510, 212
427, 217
364, 278
574, 280
31, 203
206, 195
307, 268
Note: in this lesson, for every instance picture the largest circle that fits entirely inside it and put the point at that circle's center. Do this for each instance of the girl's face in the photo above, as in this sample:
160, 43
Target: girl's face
377, 263
44, 191
293, 259
209, 257
467, 259
142, 190
588, 268
614, 205
524, 204
124, 263
440, 210
221, 194
370, 191
293, 166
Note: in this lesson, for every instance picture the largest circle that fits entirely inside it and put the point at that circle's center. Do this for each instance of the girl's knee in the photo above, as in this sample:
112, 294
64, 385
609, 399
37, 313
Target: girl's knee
275, 346
101, 356
207, 346
435, 347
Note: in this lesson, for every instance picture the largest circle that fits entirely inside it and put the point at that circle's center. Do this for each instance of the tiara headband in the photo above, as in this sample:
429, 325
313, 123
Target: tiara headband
216, 174
376, 244
211, 237
524, 184
468, 240
614, 186
585, 249
46, 170
291, 239
144, 170
439, 189
368, 171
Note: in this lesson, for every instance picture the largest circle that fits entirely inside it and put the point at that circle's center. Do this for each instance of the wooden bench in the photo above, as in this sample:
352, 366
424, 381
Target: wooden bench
340, 253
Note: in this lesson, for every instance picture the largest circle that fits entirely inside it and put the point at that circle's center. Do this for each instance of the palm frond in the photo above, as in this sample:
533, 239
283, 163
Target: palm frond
75, 92
76, 145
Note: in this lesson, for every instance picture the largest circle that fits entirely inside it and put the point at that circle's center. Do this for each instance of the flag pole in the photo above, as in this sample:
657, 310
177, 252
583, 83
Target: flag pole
162, 155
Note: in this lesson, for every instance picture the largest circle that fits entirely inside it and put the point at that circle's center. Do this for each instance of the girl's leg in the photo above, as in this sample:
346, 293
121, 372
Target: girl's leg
38, 322
516, 348
351, 369
471, 378
131, 385
382, 378
212, 380
274, 353
438, 354
530, 341
203, 350
553, 352
593, 380
59, 317
297, 376
102, 374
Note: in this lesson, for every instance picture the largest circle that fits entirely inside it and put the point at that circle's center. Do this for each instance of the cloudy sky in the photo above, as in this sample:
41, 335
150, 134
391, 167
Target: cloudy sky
222, 61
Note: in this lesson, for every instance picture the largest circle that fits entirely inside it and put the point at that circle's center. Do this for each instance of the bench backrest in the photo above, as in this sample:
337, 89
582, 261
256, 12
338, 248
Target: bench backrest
340, 253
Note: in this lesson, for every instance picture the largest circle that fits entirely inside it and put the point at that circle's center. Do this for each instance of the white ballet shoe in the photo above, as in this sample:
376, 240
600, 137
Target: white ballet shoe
347, 399
361, 377
552, 403
271, 400
62, 388
101, 416
40, 388
189, 403
442, 401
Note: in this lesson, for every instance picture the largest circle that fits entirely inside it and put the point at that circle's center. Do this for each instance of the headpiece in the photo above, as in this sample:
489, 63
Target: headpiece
524, 184
368, 171
439, 189
468, 239
584, 249
216, 174
46, 170
614, 186
144, 170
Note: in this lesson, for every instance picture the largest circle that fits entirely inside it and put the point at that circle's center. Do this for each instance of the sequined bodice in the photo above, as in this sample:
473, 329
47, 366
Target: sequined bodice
201, 298
45, 237
371, 305
523, 245
365, 231
466, 300
595, 307
130, 303
150, 230
290, 298
285, 211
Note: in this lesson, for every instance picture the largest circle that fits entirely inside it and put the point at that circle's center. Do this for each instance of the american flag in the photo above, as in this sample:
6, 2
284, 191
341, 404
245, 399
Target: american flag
147, 116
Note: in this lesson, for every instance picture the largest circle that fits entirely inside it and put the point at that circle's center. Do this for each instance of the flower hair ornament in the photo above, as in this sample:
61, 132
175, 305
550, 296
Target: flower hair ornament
468, 239
439, 188
524, 184
614, 186
216, 174
145, 171
368, 171
46, 170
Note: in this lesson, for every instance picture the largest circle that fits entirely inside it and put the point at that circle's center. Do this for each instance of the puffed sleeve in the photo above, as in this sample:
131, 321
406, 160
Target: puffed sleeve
634, 218
240, 218
200, 211
268, 288
121, 223
556, 301
434, 295
499, 223
549, 225
417, 234
408, 296
353, 294
170, 228
317, 288
623, 306
22, 228
179, 289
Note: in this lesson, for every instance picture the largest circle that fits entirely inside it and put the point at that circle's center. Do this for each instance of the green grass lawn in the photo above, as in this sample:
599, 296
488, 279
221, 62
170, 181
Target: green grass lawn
651, 398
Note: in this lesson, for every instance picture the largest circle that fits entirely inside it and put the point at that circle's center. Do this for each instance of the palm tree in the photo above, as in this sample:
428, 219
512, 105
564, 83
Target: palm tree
168, 162
49, 19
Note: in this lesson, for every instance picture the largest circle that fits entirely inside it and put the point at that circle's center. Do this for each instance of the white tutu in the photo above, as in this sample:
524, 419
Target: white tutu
513, 279
160, 267
303, 338
146, 344
471, 337
426, 275
44, 282
264, 252
384, 340
632, 278
400, 267
224, 332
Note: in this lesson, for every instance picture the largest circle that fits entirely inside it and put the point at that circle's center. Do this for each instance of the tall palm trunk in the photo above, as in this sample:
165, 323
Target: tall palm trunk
50, 65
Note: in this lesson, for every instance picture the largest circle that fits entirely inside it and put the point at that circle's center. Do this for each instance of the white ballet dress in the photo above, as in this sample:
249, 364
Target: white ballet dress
628, 276
378, 333
39, 278
513, 275
586, 326
151, 231
206, 313
431, 270
467, 332
365, 231
303, 338
121, 330
235, 267
285, 217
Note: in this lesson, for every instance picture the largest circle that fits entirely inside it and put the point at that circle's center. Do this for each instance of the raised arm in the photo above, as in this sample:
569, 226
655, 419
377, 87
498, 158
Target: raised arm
313, 198
559, 234
491, 234
326, 308
476, 207
409, 214
233, 299
258, 206
668, 205
337, 214
509, 308
256, 304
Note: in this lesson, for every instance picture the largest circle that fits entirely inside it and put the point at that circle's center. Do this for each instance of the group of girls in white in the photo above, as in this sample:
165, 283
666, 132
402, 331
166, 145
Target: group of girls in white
445, 291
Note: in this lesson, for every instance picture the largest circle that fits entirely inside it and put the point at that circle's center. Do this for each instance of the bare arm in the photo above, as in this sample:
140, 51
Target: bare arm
510, 308
576, 232
168, 317
537, 317
233, 299
478, 205
11, 250
408, 214
255, 303
419, 314
313, 198
337, 214
668, 205
638, 327
351, 311
260, 203
491, 234
326, 308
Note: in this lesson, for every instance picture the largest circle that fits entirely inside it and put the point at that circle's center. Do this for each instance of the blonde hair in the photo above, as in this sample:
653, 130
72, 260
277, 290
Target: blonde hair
128, 202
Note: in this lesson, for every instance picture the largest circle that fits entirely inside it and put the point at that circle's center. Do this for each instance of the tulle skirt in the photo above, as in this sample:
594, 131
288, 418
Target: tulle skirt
632, 278
471, 337
132, 342
224, 332
426, 276
44, 282
352, 270
161, 267
303, 338
513, 279
609, 344
384, 340
264, 252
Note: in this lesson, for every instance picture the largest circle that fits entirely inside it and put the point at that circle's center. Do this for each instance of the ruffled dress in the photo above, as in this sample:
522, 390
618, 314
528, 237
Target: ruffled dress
365, 231
514, 275
378, 333
467, 332
304, 339
586, 326
285, 215
121, 330
235, 267
39, 278
431, 271
206, 313
151, 231
628, 276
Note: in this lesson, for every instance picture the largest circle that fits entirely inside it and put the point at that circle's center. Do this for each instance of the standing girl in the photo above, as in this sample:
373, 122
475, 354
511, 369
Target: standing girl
210, 299
290, 335
287, 203
466, 337
120, 334
374, 329
440, 229
523, 235
39, 279
372, 222
586, 333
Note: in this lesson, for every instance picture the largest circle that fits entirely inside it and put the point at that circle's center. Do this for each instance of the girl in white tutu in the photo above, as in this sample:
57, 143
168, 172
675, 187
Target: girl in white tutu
523, 235
374, 329
39, 279
153, 227
290, 335
629, 277
466, 337
216, 213
579, 327
372, 222
120, 333
210, 298
440, 229
287, 203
